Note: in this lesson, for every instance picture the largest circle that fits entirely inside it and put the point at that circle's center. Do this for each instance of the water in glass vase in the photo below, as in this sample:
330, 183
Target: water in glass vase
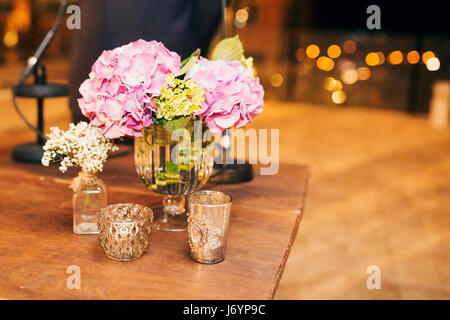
172, 178
89, 196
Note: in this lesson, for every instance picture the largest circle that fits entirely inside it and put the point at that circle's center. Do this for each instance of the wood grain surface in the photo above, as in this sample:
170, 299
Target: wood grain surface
37, 244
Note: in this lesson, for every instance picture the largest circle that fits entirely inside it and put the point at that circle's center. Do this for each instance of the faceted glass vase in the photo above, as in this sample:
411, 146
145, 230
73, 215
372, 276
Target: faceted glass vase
173, 170
88, 198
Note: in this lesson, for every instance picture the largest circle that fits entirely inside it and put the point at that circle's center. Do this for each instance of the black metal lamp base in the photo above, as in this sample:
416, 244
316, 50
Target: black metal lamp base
28, 152
32, 152
232, 173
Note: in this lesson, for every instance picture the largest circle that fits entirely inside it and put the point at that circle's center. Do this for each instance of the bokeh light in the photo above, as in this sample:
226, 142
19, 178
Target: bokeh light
325, 63
363, 73
344, 64
433, 64
427, 55
312, 51
338, 97
413, 57
372, 59
300, 54
331, 84
334, 51
276, 80
309, 63
10, 39
381, 57
349, 76
395, 57
349, 46
241, 16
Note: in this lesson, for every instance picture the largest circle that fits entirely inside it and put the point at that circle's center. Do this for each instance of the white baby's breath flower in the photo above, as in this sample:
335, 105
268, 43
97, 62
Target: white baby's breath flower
82, 145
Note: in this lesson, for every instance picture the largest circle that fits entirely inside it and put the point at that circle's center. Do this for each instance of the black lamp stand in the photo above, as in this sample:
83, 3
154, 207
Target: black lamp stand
32, 152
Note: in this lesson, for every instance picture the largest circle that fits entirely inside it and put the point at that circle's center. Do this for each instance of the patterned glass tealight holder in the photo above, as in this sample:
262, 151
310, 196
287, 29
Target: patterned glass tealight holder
124, 229
208, 219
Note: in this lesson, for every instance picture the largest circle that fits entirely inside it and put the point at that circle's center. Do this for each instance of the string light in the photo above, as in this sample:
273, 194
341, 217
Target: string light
372, 59
10, 39
334, 51
331, 84
349, 76
241, 16
395, 57
349, 46
427, 55
312, 51
338, 97
276, 80
363, 73
381, 57
325, 63
413, 57
433, 64
309, 63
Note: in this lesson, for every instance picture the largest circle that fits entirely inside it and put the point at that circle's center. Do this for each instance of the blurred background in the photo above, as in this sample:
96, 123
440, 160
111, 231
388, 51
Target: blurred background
368, 110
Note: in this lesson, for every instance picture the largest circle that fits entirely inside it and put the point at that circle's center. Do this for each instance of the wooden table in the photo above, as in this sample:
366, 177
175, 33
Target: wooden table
37, 244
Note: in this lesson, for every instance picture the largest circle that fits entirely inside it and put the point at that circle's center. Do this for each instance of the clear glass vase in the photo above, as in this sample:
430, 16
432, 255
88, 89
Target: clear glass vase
88, 198
172, 178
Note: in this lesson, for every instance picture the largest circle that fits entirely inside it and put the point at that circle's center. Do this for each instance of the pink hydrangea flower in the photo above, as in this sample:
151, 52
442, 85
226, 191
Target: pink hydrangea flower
233, 96
117, 97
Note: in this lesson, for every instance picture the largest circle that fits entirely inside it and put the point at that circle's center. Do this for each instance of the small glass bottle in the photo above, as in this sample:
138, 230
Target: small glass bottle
89, 197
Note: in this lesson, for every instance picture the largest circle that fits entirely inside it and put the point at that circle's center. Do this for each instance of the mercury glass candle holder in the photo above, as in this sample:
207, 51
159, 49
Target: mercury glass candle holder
124, 229
208, 219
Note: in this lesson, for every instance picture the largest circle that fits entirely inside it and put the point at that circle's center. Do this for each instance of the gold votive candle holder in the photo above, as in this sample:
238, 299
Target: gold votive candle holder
208, 219
124, 229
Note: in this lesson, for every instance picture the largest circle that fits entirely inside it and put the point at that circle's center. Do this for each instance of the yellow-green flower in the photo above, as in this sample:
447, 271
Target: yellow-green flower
179, 98
247, 62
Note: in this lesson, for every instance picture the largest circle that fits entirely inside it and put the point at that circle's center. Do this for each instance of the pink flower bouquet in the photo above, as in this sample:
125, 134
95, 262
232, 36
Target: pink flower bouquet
134, 85
117, 97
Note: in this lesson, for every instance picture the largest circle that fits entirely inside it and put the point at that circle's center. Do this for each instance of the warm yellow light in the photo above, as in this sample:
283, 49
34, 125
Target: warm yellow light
338, 97
241, 16
276, 80
309, 63
413, 57
395, 57
349, 76
312, 51
349, 46
427, 55
325, 63
338, 85
300, 54
334, 51
433, 64
381, 57
331, 84
372, 59
10, 39
363, 73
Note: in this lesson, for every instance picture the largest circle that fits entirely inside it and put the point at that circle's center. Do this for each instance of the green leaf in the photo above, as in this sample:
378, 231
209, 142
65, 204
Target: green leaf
171, 170
229, 48
174, 124
189, 62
